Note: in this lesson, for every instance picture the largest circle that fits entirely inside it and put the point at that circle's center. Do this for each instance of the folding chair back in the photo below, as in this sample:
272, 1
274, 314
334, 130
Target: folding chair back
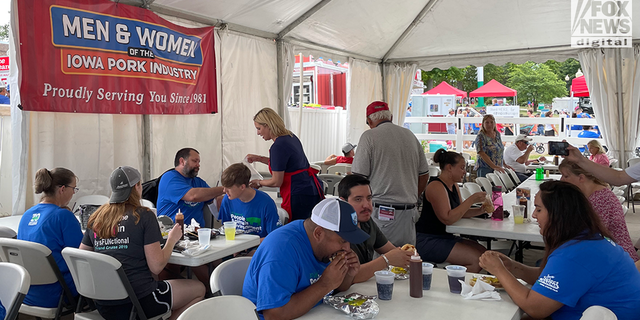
228, 277
331, 181
472, 187
485, 183
6, 232
226, 307
42, 268
496, 181
15, 282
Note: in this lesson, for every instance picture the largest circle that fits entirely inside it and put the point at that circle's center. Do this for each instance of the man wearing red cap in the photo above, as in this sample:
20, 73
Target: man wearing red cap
394, 161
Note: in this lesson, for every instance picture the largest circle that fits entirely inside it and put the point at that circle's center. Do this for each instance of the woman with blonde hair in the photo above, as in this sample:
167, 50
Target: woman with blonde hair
604, 202
299, 186
597, 153
135, 229
489, 147
52, 224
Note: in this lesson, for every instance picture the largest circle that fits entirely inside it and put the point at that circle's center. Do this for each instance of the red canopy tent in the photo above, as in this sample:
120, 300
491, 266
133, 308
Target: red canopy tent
445, 88
579, 87
493, 89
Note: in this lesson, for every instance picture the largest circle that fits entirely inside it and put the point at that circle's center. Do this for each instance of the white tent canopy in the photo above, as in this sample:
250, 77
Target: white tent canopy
383, 40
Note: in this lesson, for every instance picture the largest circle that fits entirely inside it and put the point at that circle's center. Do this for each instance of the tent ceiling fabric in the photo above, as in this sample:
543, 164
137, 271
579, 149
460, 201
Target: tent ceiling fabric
452, 33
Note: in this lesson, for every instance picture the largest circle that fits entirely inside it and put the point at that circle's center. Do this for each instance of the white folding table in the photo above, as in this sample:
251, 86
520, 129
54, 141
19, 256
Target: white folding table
218, 249
437, 303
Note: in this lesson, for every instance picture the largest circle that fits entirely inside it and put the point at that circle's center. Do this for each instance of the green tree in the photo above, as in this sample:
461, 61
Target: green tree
4, 32
433, 77
536, 83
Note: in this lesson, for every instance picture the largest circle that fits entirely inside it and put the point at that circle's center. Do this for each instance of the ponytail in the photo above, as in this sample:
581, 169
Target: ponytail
444, 157
47, 181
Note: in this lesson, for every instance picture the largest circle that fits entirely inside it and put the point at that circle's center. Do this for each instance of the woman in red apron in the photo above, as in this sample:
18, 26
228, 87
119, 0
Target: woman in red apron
299, 186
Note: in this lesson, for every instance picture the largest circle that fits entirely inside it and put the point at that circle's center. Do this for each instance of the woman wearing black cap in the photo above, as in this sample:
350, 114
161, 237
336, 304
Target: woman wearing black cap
136, 228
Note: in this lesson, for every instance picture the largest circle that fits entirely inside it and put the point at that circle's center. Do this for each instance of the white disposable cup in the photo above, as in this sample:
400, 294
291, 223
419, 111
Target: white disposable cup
456, 271
427, 268
384, 277
204, 236
230, 224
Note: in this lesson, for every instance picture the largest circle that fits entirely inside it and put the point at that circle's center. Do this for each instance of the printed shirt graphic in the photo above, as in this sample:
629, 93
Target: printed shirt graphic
128, 248
56, 228
283, 265
258, 216
173, 186
584, 273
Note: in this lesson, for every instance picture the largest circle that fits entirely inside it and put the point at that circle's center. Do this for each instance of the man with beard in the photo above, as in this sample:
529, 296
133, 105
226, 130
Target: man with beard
181, 189
355, 190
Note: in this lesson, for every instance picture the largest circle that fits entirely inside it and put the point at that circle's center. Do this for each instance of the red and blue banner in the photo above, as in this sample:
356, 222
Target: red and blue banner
97, 56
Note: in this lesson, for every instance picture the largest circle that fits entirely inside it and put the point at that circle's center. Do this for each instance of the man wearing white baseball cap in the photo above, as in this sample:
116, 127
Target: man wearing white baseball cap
292, 270
348, 150
517, 156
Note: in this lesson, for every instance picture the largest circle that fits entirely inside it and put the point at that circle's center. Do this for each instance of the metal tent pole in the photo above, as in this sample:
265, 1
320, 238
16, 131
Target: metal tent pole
621, 138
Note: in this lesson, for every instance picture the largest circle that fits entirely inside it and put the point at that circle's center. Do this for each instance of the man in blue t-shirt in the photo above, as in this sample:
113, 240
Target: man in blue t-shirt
4, 95
292, 270
253, 211
181, 189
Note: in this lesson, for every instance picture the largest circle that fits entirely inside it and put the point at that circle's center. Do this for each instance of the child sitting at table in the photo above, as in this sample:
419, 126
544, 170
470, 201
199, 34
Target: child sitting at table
253, 211
124, 220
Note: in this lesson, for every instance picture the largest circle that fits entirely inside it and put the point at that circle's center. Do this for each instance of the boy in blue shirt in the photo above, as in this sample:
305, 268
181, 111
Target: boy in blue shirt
253, 211
291, 271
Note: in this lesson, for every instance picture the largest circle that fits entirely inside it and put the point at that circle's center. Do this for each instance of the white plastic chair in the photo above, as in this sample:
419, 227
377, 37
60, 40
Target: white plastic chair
95, 199
6, 232
464, 194
630, 193
514, 177
598, 313
434, 171
317, 167
341, 168
506, 180
42, 268
485, 183
147, 203
331, 181
429, 156
625, 210
224, 307
228, 277
472, 187
15, 282
496, 181
621, 199
618, 192
283, 216
101, 277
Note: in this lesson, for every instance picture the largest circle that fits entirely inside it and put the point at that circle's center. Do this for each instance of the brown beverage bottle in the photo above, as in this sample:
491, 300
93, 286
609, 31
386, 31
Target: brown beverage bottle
415, 276
180, 221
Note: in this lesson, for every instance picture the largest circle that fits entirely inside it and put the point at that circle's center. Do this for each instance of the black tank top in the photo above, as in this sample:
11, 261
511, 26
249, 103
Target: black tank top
429, 222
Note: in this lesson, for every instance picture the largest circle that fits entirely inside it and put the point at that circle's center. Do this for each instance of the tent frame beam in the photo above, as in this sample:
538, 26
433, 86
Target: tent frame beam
302, 18
410, 28
327, 49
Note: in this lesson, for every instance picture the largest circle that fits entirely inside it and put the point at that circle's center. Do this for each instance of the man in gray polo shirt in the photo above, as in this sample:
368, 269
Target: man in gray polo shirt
394, 161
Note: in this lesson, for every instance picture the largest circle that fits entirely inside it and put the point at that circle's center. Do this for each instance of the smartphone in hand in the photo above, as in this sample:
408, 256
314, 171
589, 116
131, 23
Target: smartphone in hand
558, 148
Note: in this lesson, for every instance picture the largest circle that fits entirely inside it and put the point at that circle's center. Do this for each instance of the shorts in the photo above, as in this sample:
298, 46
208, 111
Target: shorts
435, 248
157, 303
549, 133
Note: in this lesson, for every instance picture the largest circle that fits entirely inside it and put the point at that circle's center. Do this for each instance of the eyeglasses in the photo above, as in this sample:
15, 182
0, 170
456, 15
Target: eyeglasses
75, 189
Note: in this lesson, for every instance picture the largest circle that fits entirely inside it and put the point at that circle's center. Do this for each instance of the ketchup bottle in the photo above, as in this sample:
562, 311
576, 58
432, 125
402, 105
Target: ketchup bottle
180, 221
415, 276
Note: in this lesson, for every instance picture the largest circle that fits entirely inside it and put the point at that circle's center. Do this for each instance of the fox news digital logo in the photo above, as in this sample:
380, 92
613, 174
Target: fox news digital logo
604, 24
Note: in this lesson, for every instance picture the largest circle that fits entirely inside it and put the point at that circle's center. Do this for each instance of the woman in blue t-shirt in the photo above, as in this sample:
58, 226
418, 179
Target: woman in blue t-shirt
130, 233
299, 186
52, 224
582, 266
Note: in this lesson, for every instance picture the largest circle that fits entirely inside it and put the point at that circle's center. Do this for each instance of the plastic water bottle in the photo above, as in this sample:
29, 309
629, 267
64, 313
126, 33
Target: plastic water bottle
496, 197
539, 174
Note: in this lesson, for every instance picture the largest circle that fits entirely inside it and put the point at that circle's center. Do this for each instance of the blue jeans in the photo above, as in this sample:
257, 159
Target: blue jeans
482, 171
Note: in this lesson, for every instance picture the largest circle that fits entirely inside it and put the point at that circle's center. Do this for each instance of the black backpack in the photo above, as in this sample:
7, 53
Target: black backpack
150, 189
